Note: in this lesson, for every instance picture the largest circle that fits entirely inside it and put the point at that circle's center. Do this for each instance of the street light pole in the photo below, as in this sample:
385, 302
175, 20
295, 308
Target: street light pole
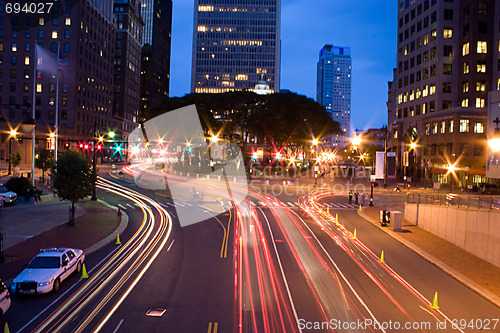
10, 152
385, 157
94, 171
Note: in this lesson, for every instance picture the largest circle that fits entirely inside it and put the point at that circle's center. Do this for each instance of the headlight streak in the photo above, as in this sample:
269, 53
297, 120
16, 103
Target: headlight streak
314, 212
97, 282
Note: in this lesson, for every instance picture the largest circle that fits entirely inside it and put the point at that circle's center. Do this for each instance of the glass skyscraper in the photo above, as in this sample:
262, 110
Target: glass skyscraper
236, 43
334, 87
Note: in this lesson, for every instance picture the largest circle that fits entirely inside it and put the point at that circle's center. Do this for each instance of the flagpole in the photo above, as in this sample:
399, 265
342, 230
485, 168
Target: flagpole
56, 127
35, 62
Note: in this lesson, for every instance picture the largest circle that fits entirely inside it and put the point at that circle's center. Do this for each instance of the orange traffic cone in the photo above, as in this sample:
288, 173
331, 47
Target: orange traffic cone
119, 212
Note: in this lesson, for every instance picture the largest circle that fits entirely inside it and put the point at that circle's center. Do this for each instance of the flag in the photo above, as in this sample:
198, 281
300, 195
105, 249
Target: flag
46, 61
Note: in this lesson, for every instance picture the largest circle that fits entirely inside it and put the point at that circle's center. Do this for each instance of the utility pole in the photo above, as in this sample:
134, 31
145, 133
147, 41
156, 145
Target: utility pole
94, 171
385, 157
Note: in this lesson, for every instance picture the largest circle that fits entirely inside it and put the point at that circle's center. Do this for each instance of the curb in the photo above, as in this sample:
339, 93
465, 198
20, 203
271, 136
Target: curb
440, 264
123, 225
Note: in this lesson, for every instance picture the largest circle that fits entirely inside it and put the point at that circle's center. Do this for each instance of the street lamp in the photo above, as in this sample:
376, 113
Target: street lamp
413, 146
451, 170
494, 142
13, 134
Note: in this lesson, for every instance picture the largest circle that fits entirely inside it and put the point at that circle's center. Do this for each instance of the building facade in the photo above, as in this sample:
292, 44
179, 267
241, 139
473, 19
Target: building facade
447, 62
155, 53
127, 64
333, 89
85, 31
235, 43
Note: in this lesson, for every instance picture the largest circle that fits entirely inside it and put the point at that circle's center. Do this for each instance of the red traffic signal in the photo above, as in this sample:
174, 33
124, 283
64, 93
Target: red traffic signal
99, 147
81, 145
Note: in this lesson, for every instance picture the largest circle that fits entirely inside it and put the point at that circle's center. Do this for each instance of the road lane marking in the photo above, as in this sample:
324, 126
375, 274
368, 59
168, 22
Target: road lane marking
171, 245
215, 326
122, 206
131, 206
118, 327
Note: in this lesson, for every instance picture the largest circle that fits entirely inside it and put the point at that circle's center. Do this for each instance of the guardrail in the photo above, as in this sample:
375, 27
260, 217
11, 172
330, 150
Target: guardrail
451, 199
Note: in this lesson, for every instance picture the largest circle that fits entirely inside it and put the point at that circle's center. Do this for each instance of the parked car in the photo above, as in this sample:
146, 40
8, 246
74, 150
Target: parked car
47, 270
4, 301
6, 196
489, 188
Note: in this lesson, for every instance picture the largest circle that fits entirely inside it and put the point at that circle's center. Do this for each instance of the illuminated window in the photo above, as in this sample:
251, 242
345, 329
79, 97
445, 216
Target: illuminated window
433, 34
448, 33
424, 108
400, 98
481, 47
465, 86
202, 28
481, 85
481, 66
68, 21
41, 21
26, 61
241, 77
205, 8
14, 47
427, 129
498, 84
434, 128
466, 67
426, 39
425, 91
442, 127
432, 89
479, 102
465, 103
38, 87
464, 125
418, 93
412, 95
478, 127
465, 48
405, 97
54, 34
406, 49
450, 126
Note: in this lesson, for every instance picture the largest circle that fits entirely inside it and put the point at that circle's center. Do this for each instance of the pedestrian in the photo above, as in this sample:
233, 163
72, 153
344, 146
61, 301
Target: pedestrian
350, 197
356, 195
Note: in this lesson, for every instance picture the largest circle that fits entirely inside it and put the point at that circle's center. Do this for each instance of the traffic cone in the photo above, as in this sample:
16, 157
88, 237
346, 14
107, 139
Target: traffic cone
6, 328
434, 304
84, 273
382, 257
118, 239
355, 236
359, 207
119, 212
328, 209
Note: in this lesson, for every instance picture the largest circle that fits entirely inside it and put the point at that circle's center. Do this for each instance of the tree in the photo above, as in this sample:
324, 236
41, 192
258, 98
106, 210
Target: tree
15, 158
73, 179
43, 162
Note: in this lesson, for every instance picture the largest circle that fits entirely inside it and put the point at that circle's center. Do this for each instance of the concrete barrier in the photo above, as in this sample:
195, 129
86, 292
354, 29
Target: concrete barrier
476, 231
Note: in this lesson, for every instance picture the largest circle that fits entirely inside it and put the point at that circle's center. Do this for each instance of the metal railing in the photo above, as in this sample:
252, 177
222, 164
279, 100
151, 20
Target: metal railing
459, 201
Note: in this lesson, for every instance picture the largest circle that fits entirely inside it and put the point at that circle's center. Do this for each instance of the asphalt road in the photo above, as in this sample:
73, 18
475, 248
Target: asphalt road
267, 265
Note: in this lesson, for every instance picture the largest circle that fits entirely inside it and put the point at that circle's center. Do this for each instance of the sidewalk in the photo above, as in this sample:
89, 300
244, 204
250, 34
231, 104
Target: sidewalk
476, 273
31, 227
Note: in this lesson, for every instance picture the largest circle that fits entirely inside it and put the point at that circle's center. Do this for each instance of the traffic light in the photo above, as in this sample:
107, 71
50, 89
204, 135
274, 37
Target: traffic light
66, 145
81, 145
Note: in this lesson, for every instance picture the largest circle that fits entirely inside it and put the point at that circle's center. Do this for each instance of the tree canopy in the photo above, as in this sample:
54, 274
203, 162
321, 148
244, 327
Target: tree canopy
43, 161
73, 179
281, 118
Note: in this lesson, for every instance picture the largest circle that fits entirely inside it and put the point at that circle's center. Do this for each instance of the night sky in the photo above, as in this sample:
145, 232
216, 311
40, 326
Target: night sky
367, 26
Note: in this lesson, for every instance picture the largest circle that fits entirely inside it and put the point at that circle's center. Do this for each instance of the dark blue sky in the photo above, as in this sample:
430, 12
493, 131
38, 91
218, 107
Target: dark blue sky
367, 26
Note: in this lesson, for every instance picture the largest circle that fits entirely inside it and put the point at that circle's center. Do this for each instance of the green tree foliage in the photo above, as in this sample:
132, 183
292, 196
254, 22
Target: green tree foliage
43, 162
282, 118
15, 158
73, 179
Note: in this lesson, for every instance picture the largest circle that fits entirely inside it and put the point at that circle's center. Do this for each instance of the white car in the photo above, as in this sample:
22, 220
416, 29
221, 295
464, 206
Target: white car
4, 301
6, 196
47, 270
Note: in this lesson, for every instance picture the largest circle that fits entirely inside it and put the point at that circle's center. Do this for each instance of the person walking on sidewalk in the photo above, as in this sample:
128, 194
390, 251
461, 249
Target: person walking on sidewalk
350, 197
356, 195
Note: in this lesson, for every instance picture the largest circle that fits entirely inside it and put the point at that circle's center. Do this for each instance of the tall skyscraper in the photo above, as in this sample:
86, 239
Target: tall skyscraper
155, 53
85, 31
447, 62
334, 88
236, 43
127, 75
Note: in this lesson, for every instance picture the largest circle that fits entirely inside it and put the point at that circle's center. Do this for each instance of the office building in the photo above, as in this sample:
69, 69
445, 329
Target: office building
447, 62
333, 89
155, 53
127, 64
85, 31
235, 43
